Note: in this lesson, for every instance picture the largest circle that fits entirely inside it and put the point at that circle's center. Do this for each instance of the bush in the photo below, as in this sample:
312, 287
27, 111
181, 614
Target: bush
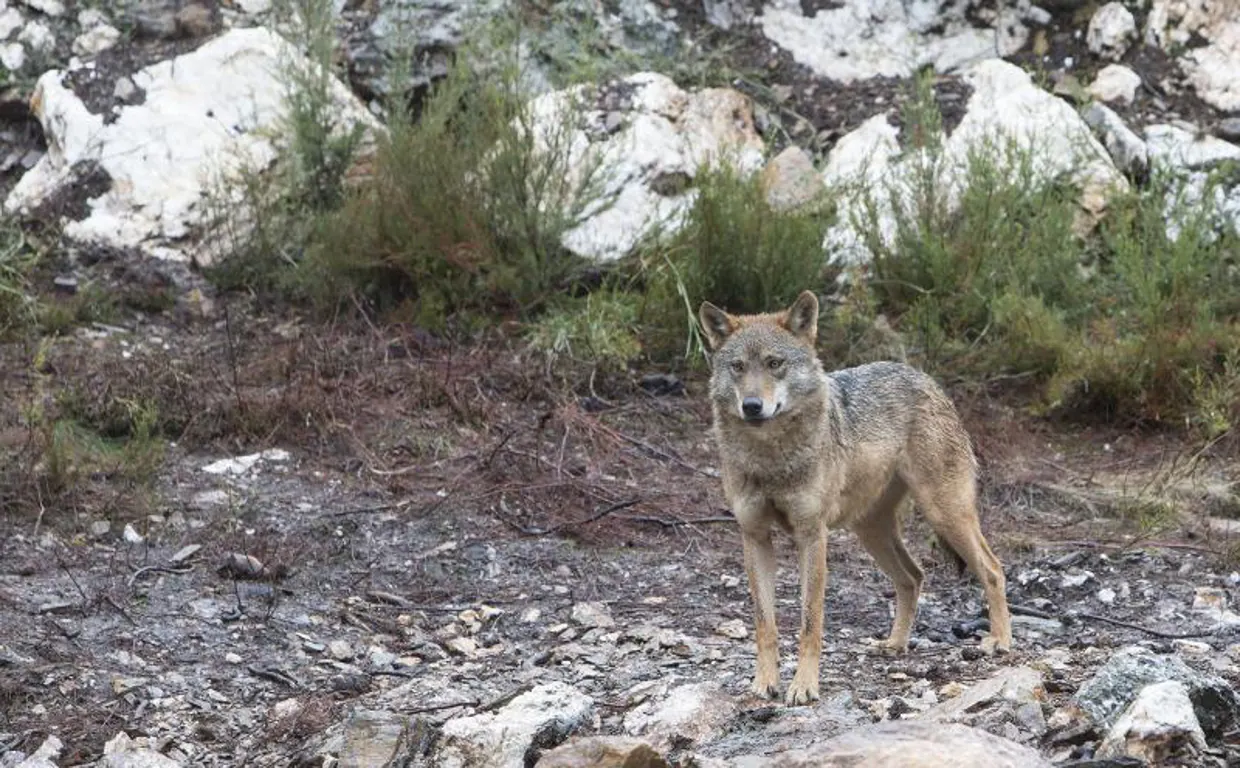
733, 251
1128, 324
467, 207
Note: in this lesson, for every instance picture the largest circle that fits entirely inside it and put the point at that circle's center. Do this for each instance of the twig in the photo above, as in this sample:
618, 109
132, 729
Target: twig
108, 599
605, 511
85, 600
157, 569
38, 520
678, 522
1147, 630
438, 707
1025, 610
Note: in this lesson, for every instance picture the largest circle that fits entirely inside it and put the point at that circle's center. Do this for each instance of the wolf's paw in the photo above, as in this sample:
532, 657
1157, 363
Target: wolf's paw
801, 692
992, 645
767, 689
886, 647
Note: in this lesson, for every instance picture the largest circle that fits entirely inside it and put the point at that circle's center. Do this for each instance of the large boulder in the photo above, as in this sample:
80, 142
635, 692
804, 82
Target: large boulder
1213, 68
906, 744
1007, 111
156, 168
637, 144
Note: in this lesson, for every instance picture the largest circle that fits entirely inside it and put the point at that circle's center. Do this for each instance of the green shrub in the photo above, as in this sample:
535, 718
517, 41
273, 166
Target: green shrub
733, 251
600, 328
466, 208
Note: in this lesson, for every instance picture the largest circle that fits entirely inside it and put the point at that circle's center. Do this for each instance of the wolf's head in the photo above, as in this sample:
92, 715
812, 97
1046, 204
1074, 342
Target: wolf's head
763, 366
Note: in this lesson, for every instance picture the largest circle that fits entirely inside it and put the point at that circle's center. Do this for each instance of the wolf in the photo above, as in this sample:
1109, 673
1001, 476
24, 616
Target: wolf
807, 451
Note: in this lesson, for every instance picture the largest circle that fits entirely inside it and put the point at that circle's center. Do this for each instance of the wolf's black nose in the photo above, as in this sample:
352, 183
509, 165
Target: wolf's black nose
751, 407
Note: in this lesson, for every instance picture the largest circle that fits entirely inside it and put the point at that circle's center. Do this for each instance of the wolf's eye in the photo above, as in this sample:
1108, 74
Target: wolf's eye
775, 363
738, 366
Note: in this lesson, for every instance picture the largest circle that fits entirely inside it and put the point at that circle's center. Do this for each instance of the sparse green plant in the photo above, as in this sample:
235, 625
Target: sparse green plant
600, 328
733, 251
18, 307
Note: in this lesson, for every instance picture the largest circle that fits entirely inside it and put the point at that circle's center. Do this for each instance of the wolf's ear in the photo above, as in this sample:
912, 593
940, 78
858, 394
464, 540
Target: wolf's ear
717, 324
801, 319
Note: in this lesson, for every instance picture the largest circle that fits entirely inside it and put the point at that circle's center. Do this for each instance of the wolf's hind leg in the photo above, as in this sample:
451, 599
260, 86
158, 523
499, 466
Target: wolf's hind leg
879, 533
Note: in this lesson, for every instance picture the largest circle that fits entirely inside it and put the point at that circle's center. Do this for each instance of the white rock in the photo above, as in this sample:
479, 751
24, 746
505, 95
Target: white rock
733, 628
242, 464
689, 715
1181, 148
1115, 83
1018, 686
340, 650
91, 17
1212, 69
45, 756
207, 115
592, 615
12, 56
122, 752
10, 21
1111, 31
501, 739
1160, 721
38, 37
790, 181
131, 535
96, 40
463, 646
1106, 596
861, 161
861, 39
667, 133
1126, 148
1005, 111
46, 7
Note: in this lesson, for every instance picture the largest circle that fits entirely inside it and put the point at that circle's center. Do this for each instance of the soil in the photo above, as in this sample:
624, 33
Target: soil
424, 480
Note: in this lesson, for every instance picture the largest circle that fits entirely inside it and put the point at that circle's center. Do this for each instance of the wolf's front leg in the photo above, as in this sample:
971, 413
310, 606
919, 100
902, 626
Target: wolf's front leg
812, 554
760, 569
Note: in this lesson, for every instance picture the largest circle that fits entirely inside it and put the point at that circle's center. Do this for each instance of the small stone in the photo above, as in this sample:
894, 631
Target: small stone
381, 658
1115, 83
530, 616
1229, 128
790, 180
372, 738
195, 20
123, 685
124, 752
13, 56
733, 628
232, 658
242, 566
951, 690
340, 650
126, 92
131, 535
691, 714
1111, 30
1106, 596
463, 646
593, 615
38, 37
96, 40
100, 528
184, 553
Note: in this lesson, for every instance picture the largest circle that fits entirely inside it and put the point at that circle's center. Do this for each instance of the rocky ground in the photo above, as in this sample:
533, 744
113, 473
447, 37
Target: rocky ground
420, 555
451, 591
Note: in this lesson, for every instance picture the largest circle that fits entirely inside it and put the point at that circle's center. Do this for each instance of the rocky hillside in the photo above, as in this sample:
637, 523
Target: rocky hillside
293, 607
